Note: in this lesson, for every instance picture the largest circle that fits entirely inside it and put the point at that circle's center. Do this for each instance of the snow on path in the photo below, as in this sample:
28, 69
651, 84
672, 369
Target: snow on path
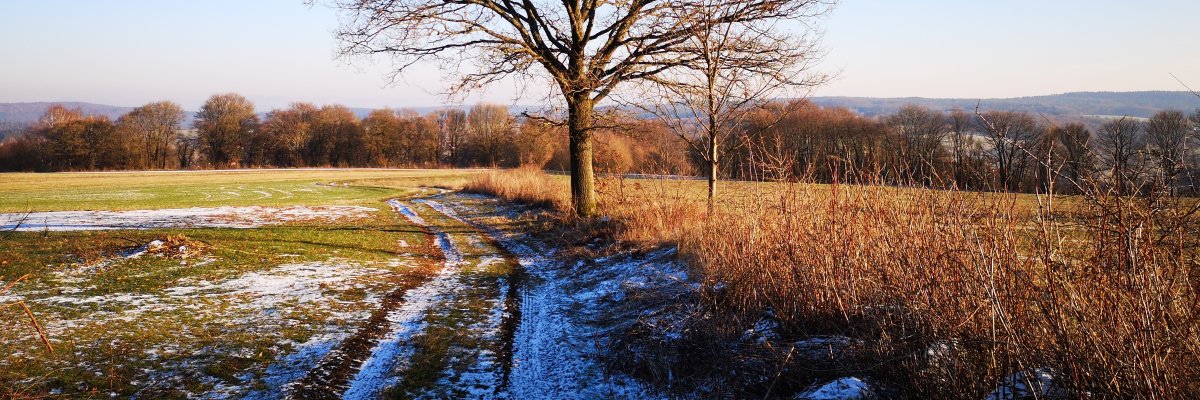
407, 212
454, 284
555, 352
407, 320
391, 354
195, 217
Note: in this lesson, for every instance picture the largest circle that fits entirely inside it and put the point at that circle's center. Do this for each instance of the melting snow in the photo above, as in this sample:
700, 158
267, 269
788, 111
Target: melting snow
196, 217
407, 320
557, 350
407, 212
849, 388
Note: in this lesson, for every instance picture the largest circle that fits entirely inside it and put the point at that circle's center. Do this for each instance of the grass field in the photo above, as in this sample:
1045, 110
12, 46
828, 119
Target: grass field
217, 315
922, 293
21, 192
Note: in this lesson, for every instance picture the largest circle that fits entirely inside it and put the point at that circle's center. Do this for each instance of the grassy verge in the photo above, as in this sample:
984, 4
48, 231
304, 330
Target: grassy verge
938, 294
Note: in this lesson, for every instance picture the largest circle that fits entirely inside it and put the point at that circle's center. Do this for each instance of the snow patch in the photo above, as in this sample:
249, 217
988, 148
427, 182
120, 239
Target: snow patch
849, 388
407, 212
376, 372
558, 345
195, 217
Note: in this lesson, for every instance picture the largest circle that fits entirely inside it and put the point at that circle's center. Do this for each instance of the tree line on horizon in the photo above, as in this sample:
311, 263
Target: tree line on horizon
984, 150
227, 132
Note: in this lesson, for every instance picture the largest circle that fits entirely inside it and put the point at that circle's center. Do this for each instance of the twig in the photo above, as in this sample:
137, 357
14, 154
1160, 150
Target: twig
1184, 84
41, 333
10, 284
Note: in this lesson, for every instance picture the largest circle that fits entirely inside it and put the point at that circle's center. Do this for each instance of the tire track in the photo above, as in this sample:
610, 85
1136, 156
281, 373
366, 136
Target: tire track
332, 375
465, 349
446, 336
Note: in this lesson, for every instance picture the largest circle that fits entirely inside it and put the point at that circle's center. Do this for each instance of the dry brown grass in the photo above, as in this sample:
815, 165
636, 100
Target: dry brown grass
948, 292
524, 185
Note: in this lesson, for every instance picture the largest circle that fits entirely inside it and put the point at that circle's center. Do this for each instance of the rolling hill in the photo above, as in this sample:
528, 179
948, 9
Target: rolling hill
1071, 105
14, 116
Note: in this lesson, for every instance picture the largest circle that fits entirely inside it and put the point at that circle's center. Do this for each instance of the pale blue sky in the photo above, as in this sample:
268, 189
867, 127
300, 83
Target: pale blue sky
279, 51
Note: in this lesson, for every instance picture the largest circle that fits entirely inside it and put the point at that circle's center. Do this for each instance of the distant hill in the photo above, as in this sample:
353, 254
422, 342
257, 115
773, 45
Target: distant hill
1077, 104
28, 113
13, 116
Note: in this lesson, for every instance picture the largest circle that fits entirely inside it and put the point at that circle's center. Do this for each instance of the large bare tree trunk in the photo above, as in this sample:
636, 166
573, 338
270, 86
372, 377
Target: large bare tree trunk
579, 123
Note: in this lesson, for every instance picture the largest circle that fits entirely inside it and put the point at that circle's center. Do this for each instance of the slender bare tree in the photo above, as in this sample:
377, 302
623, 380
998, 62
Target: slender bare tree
1077, 145
1011, 135
452, 126
587, 48
1118, 142
490, 127
960, 125
1167, 134
736, 68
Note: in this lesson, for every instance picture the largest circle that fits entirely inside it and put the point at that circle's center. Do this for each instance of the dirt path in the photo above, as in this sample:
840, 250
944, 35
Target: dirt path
446, 336
500, 319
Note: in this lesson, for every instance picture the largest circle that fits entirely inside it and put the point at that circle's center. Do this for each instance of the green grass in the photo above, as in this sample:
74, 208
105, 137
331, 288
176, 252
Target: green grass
103, 348
20, 192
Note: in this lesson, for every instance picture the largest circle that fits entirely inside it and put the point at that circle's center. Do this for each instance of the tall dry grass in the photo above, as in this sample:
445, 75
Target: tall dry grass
525, 185
948, 293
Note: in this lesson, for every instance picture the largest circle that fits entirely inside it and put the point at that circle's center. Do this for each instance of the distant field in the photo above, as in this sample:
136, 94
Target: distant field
20, 192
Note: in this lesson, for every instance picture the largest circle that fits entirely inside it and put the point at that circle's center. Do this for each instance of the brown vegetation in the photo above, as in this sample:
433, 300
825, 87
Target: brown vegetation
986, 150
944, 293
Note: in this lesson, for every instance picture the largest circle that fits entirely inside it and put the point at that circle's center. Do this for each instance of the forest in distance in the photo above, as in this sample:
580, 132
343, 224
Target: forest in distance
998, 150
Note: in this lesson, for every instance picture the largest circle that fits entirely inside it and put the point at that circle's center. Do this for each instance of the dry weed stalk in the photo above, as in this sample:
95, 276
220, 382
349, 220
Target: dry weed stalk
951, 292
29, 313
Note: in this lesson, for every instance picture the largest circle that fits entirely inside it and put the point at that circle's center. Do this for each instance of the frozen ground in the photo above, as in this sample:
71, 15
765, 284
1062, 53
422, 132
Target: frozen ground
559, 341
532, 331
196, 217
501, 317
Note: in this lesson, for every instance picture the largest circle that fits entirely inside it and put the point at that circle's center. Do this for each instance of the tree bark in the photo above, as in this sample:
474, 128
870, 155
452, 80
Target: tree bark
579, 123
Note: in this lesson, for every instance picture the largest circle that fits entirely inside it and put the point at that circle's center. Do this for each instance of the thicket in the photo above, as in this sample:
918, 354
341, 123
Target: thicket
922, 293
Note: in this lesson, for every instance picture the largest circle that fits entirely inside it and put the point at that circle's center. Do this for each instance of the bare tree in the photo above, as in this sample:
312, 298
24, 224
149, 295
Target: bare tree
1077, 144
452, 124
1011, 135
490, 128
284, 134
960, 124
736, 68
918, 133
1167, 133
225, 122
154, 125
587, 48
187, 143
1118, 142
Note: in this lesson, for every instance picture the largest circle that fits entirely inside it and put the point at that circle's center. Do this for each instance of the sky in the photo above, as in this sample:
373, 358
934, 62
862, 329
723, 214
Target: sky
128, 53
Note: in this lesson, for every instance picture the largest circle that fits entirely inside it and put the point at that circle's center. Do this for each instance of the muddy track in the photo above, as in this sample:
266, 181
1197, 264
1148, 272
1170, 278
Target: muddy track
450, 334
330, 378
511, 317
